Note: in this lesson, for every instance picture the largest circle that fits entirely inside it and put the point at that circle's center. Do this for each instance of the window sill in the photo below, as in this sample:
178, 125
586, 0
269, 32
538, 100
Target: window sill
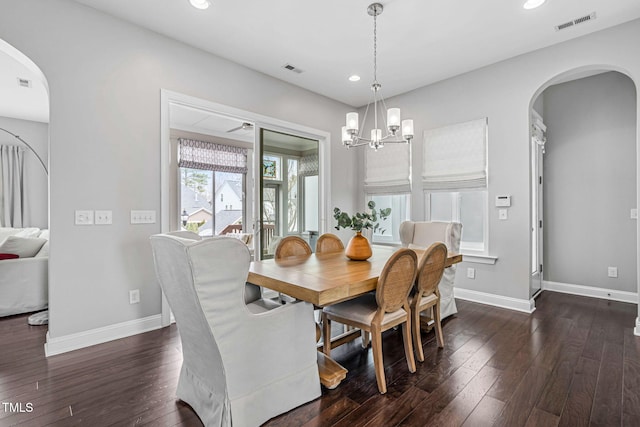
479, 258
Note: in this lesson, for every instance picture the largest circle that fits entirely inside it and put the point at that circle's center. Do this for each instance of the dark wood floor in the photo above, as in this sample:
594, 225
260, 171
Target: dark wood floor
573, 362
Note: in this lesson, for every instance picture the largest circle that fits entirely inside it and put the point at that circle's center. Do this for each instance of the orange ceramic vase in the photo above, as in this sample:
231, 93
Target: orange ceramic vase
358, 248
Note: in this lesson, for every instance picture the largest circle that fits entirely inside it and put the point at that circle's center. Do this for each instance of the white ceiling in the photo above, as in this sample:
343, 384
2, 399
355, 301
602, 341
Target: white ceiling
419, 42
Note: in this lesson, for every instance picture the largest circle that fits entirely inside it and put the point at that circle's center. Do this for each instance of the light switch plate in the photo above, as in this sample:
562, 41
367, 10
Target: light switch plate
143, 217
84, 217
634, 213
502, 214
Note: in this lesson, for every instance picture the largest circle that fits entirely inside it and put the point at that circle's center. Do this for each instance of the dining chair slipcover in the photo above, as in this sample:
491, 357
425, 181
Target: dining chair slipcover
420, 235
252, 293
233, 372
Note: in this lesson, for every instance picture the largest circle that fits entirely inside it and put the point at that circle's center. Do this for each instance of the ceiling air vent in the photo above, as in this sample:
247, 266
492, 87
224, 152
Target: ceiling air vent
576, 21
24, 82
292, 68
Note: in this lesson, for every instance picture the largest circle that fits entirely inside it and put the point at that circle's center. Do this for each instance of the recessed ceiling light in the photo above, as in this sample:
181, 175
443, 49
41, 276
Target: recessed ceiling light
354, 78
532, 4
200, 4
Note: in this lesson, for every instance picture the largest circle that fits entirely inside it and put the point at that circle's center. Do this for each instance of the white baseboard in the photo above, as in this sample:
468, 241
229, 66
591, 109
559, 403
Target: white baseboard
91, 337
636, 330
527, 306
590, 291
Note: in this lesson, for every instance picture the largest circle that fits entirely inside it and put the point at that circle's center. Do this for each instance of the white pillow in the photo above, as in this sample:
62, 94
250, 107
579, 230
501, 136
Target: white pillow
28, 232
23, 247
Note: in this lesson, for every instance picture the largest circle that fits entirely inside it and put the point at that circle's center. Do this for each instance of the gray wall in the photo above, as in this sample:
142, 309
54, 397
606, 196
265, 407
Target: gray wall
590, 182
504, 92
105, 77
37, 193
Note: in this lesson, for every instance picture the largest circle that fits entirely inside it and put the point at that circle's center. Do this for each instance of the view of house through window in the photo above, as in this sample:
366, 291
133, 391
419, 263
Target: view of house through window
212, 203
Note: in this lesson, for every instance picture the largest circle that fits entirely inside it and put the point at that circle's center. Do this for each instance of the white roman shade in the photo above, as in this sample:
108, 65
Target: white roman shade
455, 157
388, 170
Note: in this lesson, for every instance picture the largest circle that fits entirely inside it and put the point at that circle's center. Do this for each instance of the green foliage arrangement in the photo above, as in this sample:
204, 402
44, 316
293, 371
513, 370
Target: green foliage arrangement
362, 220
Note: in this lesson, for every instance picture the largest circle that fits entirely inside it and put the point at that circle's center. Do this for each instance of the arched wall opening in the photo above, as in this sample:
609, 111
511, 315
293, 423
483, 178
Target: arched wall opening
588, 183
24, 122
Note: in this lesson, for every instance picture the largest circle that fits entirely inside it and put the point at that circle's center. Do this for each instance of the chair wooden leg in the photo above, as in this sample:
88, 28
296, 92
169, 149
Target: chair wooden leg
408, 347
365, 338
376, 347
417, 339
326, 333
436, 317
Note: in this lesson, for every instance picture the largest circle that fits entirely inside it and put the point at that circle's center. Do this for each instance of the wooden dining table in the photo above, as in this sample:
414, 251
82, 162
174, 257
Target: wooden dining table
325, 279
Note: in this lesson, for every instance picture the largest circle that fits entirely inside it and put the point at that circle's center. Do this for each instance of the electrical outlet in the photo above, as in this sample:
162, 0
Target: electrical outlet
84, 217
634, 213
612, 272
471, 273
104, 217
134, 296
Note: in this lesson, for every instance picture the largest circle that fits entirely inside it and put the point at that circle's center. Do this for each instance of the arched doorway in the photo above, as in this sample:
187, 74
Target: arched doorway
24, 137
583, 136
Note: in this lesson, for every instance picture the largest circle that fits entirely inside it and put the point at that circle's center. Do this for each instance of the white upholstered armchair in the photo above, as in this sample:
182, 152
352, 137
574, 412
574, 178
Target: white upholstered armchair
421, 234
237, 369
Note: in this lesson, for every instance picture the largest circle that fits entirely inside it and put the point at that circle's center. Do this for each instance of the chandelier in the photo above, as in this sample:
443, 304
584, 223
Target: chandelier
352, 135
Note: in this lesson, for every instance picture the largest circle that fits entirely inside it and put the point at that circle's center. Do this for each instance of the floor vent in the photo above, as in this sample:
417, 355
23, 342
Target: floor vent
292, 68
576, 21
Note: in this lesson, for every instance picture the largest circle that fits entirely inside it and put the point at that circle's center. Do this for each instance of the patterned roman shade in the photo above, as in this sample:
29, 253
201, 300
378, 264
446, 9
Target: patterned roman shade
211, 156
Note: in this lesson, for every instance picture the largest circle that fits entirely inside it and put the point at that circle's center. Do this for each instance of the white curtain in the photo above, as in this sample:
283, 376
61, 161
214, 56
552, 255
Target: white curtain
12, 195
388, 170
455, 157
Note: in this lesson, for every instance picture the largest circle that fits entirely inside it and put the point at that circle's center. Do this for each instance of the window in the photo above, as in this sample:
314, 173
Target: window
212, 186
388, 184
399, 204
454, 177
466, 207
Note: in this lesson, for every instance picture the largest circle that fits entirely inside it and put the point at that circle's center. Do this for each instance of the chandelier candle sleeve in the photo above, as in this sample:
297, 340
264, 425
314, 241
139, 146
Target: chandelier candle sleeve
393, 119
407, 129
352, 122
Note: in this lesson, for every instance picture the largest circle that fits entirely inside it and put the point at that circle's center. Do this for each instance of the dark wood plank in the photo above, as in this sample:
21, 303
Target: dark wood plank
540, 418
577, 409
485, 414
607, 404
631, 379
